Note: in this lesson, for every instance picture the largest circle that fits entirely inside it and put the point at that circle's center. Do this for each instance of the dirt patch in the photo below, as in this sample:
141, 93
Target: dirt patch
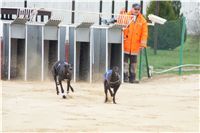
159, 104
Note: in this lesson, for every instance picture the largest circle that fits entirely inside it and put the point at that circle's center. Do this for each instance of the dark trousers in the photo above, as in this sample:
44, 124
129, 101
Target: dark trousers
130, 66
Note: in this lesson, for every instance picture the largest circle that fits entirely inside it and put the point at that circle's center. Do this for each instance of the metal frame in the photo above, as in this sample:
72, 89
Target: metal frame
9, 45
74, 54
26, 47
122, 48
106, 49
107, 28
16, 21
9, 52
91, 50
83, 25
122, 76
42, 72
58, 44
91, 53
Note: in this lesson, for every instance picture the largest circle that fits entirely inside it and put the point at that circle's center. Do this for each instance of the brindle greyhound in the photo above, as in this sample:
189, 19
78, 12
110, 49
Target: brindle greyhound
61, 70
111, 80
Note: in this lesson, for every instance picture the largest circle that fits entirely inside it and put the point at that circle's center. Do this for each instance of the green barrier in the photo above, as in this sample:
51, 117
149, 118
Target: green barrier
143, 64
182, 44
169, 35
140, 65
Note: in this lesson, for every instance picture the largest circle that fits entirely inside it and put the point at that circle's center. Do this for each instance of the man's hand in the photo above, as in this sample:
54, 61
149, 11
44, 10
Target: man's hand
141, 48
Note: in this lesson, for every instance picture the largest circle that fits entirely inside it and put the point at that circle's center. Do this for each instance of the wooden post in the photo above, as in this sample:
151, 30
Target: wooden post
156, 29
25, 3
126, 5
113, 8
73, 13
100, 11
147, 63
42, 18
141, 4
145, 52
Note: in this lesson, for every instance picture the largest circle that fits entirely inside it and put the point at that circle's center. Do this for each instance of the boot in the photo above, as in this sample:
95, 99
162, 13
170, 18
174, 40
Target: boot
126, 77
132, 78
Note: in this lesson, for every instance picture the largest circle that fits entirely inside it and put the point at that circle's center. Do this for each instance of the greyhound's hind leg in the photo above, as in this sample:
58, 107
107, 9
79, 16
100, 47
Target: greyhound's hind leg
57, 91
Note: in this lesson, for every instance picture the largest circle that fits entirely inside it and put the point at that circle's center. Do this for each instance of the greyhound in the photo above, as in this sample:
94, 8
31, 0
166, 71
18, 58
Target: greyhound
61, 70
111, 80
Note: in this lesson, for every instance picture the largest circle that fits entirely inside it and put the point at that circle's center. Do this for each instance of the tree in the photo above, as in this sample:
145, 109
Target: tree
165, 36
167, 9
177, 7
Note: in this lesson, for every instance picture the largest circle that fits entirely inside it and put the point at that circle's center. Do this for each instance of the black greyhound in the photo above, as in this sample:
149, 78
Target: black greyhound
111, 80
61, 70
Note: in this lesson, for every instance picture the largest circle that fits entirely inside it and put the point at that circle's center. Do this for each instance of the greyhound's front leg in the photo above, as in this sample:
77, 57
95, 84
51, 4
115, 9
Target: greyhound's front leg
110, 92
70, 86
115, 90
63, 95
106, 91
57, 91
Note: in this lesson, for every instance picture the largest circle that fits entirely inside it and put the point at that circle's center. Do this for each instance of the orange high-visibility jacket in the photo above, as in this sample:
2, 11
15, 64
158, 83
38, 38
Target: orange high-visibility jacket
135, 35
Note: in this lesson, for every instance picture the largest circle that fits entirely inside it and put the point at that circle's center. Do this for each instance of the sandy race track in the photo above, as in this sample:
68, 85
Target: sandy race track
169, 103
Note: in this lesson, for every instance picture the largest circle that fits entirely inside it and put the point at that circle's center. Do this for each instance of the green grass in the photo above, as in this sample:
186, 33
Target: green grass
191, 52
166, 59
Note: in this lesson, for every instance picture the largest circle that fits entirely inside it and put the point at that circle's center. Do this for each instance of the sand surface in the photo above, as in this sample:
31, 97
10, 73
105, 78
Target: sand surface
167, 103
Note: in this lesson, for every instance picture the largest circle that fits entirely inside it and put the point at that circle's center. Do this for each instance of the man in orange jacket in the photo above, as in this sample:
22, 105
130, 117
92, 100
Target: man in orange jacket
135, 38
